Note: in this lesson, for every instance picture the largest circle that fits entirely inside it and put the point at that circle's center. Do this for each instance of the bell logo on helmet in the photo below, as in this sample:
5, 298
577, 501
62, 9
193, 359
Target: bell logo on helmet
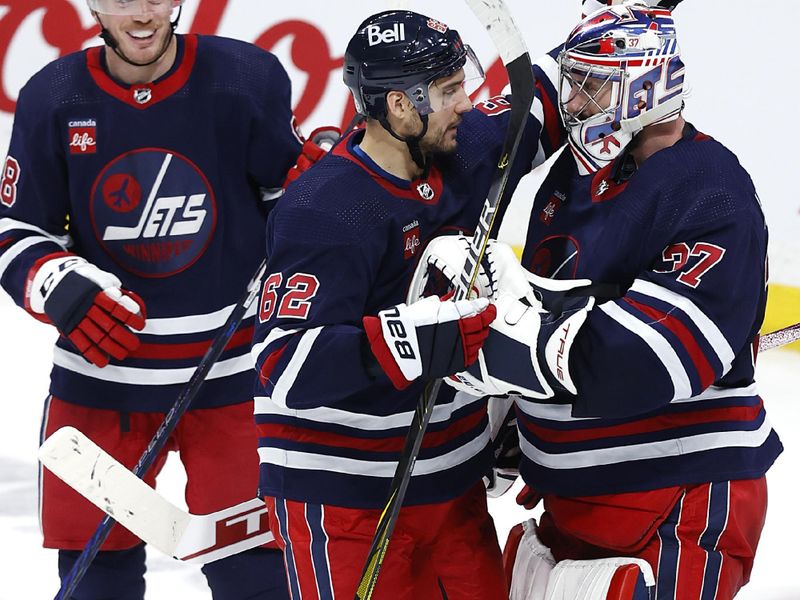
396, 33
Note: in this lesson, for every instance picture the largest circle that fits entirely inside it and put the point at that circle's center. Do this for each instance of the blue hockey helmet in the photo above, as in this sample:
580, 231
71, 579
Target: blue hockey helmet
403, 51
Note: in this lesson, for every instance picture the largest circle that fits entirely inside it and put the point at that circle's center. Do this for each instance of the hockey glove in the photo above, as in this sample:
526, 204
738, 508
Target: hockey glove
444, 259
314, 148
527, 351
429, 338
86, 305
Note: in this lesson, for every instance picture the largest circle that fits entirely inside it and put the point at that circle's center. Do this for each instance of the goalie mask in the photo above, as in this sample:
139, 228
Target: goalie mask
620, 70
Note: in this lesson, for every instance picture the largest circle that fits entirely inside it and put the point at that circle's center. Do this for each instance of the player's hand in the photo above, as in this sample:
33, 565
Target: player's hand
86, 305
528, 348
528, 497
429, 338
314, 148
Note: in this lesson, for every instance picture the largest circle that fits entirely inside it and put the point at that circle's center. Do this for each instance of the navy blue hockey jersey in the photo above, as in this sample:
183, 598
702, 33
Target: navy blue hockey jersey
167, 185
665, 373
341, 244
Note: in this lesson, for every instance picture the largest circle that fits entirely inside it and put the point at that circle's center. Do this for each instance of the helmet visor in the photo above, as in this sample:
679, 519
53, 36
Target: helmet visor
133, 7
446, 87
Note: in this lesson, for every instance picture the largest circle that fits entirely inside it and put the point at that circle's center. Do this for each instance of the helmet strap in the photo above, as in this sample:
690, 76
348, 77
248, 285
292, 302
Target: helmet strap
112, 42
412, 142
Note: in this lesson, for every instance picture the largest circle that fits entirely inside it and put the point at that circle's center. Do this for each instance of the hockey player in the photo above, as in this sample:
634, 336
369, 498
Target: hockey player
341, 358
140, 175
639, 419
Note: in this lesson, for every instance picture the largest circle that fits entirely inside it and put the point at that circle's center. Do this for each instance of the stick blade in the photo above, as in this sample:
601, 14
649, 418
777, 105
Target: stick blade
109, 485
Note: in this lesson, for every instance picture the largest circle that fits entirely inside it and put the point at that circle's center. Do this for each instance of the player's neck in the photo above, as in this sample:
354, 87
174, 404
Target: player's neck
657, 137
389, 154
132, 75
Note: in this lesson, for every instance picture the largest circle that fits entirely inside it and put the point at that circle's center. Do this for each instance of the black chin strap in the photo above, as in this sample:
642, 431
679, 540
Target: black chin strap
412, 142
112, 43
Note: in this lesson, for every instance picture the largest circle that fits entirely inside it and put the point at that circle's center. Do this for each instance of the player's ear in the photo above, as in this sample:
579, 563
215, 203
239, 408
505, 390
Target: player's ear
398, 105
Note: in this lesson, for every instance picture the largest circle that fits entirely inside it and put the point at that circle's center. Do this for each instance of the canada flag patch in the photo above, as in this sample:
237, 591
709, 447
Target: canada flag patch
83, 137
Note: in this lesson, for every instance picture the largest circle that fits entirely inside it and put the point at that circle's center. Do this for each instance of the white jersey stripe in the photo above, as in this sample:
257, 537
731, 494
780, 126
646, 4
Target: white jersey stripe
563, 412
264, 405
15, 250
658, 344
706, 326
193, 323
286, 380
647, 451
8, 224
275, 334
294, 459
144, 376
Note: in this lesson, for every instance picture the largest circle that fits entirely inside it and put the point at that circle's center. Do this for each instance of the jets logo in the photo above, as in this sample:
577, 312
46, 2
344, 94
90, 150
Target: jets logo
153, 211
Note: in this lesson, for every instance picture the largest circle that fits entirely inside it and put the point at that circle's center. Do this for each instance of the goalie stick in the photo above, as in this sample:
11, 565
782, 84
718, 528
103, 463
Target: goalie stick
70, 582
494, 16
780, 337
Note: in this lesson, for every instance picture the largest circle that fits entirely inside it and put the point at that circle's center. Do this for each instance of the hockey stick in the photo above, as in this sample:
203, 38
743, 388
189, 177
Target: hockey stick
166, 428
88, 469
494, 16
780, 337
105, 482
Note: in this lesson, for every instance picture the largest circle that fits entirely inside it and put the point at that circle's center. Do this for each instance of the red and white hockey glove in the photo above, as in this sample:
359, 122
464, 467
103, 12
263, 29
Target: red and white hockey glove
314, 148
86, 305
429, 338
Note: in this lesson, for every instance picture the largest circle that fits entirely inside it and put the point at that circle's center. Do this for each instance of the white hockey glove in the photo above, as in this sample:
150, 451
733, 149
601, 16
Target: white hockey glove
527, 351
429, 338
443, 260
86, 305
590, 6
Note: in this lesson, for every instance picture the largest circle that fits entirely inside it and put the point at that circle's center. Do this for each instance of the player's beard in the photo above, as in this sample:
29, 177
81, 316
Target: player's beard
440, 144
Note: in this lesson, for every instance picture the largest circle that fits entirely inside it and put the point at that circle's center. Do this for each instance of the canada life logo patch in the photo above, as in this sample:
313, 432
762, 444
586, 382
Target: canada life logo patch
411, 239
82, 136
153, 211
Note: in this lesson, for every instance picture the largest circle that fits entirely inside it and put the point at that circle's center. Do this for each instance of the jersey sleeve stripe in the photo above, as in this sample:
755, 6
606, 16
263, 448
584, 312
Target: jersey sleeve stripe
704, 369
284, 383
706, 326
192, 323
657, 343
17, 249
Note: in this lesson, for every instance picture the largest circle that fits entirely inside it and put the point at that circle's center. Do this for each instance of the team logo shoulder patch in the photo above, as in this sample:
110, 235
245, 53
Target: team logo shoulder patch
82, 134
411, 239
153, 211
